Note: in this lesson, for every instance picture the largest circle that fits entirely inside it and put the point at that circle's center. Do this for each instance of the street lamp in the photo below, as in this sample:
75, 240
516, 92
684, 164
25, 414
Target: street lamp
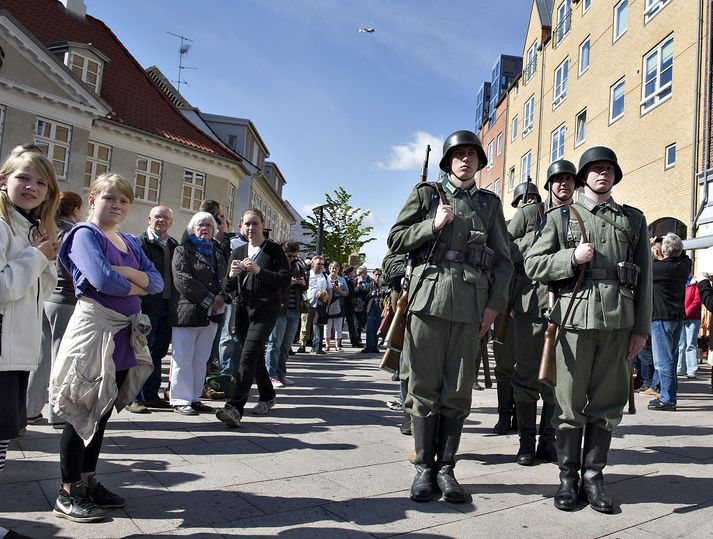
320, 224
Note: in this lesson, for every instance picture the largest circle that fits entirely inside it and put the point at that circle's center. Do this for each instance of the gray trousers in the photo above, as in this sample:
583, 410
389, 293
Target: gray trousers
54, 323
441, 365
530, 338
592, 378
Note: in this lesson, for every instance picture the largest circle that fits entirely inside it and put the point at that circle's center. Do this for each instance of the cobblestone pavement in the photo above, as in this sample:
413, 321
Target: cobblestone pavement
329, 461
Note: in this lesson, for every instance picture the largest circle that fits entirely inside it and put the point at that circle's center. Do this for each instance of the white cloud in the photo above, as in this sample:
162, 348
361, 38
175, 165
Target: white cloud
410, 156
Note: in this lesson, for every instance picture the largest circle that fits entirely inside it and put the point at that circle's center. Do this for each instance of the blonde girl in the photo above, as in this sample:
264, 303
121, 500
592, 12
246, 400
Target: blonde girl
29, 196
102, 344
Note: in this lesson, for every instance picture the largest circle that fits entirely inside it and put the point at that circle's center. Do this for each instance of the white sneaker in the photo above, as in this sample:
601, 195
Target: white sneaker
276, 383
263, 407
229, 415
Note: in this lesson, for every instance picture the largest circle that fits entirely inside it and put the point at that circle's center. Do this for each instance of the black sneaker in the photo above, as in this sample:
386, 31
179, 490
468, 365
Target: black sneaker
77, 508
102, 497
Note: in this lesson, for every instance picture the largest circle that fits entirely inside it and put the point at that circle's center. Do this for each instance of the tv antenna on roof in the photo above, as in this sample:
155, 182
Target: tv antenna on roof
186, 44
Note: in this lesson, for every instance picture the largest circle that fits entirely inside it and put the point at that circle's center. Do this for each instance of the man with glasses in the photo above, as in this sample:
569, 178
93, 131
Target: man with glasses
291, 305
456, 236
159, 247
373, 294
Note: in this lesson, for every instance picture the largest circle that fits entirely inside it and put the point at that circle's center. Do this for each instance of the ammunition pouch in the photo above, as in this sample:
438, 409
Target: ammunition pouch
481, 256
628, 274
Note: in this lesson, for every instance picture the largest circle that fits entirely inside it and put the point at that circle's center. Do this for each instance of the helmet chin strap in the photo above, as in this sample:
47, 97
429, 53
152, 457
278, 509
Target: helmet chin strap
599, 192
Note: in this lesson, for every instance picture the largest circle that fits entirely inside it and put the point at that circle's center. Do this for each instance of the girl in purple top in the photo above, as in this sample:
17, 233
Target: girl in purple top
110, 268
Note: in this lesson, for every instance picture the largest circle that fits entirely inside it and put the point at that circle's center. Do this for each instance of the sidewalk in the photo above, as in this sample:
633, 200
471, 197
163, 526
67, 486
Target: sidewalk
329, 461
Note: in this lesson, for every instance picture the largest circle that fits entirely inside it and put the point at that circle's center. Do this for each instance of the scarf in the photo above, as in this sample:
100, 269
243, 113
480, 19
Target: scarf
204, 247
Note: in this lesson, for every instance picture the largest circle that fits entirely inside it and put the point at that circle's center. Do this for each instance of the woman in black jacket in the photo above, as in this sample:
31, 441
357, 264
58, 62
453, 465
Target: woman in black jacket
199, 268
257, 272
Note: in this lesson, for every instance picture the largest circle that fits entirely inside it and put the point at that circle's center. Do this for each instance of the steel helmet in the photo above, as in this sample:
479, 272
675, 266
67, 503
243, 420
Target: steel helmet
561, 166
462, 138
524, 189
598, 153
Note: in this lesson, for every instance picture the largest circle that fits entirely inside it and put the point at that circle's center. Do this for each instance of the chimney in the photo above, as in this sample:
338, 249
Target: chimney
76, 7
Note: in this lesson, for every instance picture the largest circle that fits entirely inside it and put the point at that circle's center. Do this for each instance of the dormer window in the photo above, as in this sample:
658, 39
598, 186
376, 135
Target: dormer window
84, 60
87, 69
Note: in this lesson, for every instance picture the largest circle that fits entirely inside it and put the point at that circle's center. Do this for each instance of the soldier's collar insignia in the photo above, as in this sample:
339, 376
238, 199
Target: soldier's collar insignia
455, 191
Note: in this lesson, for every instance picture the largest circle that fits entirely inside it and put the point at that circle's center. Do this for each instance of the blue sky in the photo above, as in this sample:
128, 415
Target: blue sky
334, 106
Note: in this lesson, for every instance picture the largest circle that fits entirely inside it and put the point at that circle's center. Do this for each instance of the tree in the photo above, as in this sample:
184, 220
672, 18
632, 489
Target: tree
344, 232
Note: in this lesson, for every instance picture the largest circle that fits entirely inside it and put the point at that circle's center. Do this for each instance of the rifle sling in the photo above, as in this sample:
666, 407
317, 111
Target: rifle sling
580, 277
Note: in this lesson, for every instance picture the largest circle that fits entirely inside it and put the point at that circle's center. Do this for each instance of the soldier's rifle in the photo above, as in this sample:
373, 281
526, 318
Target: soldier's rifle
547, 374
394, 340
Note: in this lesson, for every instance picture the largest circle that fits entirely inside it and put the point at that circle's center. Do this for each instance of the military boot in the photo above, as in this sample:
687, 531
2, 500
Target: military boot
596, 448
425, 431
406, 424
546, 448
569, 450
505, 407
527, 429
449, 432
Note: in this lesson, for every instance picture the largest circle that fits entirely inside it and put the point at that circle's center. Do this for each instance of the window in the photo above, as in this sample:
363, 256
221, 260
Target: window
496, 187
490, 154
557, 151
658, 74
525, 164
54, 140
652, 8
499, 145
511, 179
230, 210
233, 142
516, 90
616, 101
148, 179
529, 116
531, 64
98, 161
564, 21
580, 128
621, 18
86, 69
515, 127
586, 4
670, 160
561, 75
193, 189
584, 56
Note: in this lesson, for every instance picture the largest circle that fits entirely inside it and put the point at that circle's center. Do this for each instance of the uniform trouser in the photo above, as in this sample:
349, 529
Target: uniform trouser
504, 353
592, 378
441, 365
529, 338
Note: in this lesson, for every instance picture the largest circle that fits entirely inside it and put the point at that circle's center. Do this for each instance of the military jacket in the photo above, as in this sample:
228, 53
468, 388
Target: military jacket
455, 291
602, 303
523, 229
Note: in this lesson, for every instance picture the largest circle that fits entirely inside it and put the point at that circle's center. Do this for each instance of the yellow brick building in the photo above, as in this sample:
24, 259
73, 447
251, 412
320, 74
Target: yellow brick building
620, 73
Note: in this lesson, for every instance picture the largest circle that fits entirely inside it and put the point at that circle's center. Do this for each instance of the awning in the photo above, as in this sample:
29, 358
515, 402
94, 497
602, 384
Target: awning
702, 242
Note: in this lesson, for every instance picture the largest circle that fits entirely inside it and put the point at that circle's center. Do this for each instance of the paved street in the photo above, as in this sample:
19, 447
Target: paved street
330, 462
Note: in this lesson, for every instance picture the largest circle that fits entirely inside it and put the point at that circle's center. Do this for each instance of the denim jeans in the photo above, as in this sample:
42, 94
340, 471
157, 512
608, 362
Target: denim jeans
646, 365
688, 348
664, 343
317, 333
373, 319
278, 345
229, 349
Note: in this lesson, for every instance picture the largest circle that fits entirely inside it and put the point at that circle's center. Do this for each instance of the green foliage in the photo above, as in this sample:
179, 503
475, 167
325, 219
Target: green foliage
344, 231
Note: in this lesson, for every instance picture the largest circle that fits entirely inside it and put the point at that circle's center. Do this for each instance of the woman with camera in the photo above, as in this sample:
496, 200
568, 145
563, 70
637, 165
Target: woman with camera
335, 321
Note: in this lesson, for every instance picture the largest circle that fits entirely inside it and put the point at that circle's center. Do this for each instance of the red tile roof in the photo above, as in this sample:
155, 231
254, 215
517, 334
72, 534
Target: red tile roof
134, 99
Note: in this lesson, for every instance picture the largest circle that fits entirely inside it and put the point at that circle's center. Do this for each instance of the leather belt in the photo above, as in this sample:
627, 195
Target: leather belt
601, 274
455, 256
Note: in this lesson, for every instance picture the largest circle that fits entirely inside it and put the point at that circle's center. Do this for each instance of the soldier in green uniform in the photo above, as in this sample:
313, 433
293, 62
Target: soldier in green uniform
610, 319
459, 283
504, 345
529, 323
